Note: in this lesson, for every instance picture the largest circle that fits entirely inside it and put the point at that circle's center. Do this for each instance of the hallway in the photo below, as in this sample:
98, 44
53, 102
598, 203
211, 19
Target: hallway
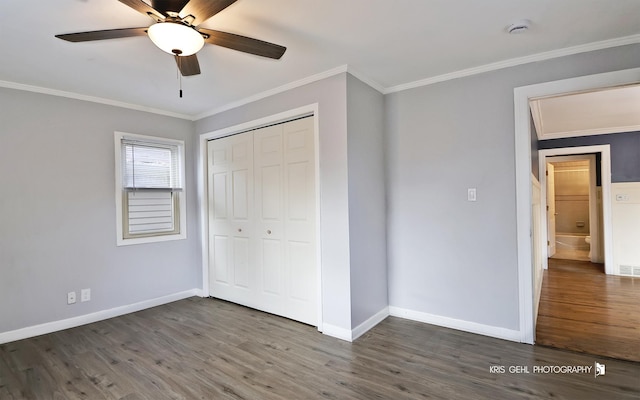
584, 310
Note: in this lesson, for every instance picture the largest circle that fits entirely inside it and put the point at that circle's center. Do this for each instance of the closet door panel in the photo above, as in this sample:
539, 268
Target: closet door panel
220, 271
241, 267
240, 195
268, 180
218, 186
230, 171
270, 193
300, 276
271, 262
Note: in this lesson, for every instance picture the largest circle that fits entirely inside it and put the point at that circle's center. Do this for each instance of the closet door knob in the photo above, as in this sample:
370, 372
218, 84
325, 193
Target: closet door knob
239, 229
268, 231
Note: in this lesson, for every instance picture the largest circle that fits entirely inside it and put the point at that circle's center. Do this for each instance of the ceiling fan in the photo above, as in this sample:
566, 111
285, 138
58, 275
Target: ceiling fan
176, 31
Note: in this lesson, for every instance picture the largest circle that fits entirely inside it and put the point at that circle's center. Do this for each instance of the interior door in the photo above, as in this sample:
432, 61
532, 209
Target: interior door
551, 210
230, 196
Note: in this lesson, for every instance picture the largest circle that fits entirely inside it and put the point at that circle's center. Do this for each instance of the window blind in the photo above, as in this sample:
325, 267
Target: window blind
148, 165
150, 212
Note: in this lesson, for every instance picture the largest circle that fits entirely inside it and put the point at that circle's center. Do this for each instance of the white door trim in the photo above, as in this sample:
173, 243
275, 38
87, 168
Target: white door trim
311, 109
605, 151
550, 169
522, 134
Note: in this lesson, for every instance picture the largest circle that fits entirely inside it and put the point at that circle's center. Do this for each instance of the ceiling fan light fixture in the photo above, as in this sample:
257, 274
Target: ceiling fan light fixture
176, 38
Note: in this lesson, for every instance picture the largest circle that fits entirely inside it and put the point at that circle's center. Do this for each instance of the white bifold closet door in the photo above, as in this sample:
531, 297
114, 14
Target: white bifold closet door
262, 222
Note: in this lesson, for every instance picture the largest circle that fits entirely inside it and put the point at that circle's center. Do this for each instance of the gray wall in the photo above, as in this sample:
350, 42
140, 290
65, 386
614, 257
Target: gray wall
330, 94
625, 152
446, 256
57, 210
367, 210
449, 257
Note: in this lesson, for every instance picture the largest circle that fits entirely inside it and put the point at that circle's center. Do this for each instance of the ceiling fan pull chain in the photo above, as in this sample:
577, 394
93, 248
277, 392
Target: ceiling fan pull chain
179, 74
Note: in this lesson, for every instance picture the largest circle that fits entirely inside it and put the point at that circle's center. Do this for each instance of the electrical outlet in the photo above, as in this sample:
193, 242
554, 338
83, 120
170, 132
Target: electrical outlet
71, 297
85, 295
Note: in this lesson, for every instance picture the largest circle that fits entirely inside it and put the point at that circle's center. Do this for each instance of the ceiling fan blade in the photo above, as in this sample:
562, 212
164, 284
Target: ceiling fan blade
188, 65
243, 43
164, 6
202, 10
102, 35
143, 8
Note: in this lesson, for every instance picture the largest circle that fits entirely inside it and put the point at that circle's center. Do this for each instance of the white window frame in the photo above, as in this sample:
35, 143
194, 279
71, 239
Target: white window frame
120, 192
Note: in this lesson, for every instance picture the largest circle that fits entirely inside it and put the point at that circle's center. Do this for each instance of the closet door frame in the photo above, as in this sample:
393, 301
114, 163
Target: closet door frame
203, 190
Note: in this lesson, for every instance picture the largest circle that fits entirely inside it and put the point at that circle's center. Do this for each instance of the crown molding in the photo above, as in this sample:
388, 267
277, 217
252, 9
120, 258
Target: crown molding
292, 85
633, 39
584, 48
280, 89
374, 84
92, 99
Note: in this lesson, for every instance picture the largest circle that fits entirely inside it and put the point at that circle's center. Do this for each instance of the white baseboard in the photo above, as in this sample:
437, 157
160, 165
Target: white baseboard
336, 332
353, 334
369, 323
461, 325
327, 329
54, 326
458, 324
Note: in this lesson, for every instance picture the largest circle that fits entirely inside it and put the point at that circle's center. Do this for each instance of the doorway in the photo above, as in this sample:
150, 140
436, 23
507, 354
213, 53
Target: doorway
574, 208
523, 171
592, 220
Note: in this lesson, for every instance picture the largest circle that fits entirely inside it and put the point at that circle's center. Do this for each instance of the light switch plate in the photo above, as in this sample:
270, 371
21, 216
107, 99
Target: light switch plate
471, 194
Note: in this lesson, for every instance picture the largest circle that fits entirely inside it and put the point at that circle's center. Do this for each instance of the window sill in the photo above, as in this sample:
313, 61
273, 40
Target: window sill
150, 239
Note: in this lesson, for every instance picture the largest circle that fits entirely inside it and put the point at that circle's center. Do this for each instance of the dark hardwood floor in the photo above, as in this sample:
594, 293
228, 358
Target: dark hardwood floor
583, 309
209, 349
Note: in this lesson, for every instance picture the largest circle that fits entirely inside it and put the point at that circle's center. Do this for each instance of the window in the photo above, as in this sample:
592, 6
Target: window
150, 198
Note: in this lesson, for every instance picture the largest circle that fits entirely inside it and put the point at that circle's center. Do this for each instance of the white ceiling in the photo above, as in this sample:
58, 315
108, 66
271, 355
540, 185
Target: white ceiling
609, 110
387, 43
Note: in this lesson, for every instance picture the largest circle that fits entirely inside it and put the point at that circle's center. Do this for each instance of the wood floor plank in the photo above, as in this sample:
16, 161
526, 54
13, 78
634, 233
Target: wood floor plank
209, 349
583, 309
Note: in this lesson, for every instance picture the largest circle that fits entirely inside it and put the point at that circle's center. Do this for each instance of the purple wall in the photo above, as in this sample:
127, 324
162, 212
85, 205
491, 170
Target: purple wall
625, 152
534, 149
